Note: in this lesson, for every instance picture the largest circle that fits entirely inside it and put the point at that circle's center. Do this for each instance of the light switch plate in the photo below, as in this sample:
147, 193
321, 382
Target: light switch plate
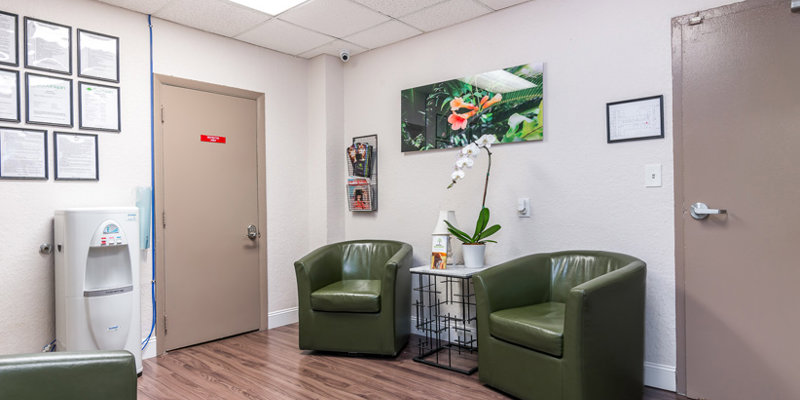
652, 175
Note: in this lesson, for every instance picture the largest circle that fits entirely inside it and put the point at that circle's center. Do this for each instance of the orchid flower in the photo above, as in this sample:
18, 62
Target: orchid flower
470, 150
464, 162
486, 141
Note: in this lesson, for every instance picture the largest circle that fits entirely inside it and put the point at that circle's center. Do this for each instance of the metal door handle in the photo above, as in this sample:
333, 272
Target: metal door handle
252, 232
701, 211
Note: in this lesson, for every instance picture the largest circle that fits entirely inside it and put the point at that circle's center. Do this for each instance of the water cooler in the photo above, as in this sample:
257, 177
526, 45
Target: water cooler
97, 280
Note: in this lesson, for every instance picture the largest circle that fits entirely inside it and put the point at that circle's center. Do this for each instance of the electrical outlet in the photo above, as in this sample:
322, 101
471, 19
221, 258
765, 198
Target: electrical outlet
652, 175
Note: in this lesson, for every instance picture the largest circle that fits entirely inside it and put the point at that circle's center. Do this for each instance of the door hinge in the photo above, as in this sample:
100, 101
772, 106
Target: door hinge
165, 324
697, 19
162, 114
164, 219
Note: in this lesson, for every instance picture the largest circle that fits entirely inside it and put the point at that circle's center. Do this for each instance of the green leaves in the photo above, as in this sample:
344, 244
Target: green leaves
481, 232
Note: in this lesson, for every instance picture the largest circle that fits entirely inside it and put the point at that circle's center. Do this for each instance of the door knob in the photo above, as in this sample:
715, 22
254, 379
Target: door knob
252, 232
701, 211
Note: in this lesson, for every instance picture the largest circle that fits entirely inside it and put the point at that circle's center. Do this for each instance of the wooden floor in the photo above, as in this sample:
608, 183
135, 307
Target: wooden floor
269, 365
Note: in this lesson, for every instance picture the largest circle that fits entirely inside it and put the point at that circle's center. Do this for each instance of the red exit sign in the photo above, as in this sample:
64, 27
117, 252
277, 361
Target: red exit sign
212, 139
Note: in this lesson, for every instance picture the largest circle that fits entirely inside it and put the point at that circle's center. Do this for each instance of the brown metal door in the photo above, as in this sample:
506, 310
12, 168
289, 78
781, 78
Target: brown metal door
737, 125
210, 199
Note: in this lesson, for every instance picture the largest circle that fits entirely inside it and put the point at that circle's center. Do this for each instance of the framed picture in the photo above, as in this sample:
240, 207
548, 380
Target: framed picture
505, 103
636, 119
75, 156
98, 56
9, 95
99, 107
23, 153
9, 37
48, 46
48, 100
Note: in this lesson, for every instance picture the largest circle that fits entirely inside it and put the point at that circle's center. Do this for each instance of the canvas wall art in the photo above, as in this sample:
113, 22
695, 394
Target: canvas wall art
506, 103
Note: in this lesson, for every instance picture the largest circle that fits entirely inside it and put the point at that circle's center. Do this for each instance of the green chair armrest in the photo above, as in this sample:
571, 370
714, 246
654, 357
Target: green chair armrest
396, 267
65, 376
315, 270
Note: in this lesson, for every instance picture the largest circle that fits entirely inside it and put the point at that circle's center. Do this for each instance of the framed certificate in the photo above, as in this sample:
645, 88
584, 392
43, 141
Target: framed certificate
9, 95
75, 156
48, 100
23, 153
98, 56
99, 107
636, 119
48, 46
9, 37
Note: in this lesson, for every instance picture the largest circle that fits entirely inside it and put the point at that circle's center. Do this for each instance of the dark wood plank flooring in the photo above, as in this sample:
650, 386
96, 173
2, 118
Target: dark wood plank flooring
269, 365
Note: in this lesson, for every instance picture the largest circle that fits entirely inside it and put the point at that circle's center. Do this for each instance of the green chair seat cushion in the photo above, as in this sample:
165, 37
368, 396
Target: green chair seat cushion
350, 295
539, 327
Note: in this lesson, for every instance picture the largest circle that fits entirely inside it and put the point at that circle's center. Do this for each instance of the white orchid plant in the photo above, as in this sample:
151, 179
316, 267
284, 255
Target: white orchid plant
466, 160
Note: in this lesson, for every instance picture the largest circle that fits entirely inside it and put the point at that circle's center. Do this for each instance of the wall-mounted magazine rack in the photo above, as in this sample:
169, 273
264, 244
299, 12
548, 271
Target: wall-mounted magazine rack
362, 174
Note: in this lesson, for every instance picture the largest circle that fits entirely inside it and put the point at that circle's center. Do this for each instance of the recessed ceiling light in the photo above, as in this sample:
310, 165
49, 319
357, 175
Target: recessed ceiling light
271, 7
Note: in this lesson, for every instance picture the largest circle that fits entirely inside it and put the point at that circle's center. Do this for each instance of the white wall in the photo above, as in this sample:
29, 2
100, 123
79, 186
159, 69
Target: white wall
26, 207
585, 193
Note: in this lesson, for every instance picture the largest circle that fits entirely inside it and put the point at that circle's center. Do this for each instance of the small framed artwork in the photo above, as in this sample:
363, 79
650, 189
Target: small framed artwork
99, 107
48, 46
9, 37
636, 119
48, 100
23, 153
9, 95
75, 156
98, 56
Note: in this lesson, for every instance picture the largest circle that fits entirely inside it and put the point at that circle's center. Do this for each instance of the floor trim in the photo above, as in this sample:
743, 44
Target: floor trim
282, 317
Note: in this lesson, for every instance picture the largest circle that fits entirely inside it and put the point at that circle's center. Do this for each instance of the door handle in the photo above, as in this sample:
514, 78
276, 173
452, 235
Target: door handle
701, 211
252, 232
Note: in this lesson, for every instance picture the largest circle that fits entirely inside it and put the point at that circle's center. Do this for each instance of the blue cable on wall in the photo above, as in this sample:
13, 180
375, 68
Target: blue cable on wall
153, 192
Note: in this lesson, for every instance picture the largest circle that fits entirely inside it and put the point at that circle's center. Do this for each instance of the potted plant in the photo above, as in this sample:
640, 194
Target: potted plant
474, 245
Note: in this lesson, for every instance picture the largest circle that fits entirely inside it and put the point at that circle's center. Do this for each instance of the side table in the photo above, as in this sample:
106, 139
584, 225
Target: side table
446, 315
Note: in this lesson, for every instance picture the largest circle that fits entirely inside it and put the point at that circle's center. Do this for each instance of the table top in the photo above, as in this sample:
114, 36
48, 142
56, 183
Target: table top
458, 270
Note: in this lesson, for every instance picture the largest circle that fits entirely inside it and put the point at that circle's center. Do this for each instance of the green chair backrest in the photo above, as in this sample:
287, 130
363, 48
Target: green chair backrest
570, 269
365, 259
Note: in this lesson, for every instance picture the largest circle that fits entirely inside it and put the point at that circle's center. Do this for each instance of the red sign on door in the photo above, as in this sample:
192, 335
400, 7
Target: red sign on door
212, 139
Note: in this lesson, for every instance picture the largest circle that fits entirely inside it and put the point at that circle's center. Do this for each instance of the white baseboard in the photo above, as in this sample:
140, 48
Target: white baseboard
150, 350
282, 317
660, 376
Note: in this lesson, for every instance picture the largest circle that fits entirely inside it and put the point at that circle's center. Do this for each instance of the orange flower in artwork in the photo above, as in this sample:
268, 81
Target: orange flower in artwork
457, 121
458, 103
493, 101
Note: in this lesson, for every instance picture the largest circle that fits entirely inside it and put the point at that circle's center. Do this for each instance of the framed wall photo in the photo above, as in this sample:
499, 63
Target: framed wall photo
9, 37
48, 100
636, 119
99, 107
9, 95
75, 156
48, 46
23, 153
98, 56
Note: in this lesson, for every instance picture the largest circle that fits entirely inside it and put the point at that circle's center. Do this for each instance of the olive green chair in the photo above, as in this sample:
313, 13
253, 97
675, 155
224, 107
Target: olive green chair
93, 375
355, 297
566, 325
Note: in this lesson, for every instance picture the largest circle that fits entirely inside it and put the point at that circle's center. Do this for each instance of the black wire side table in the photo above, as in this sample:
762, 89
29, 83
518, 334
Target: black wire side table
446, 316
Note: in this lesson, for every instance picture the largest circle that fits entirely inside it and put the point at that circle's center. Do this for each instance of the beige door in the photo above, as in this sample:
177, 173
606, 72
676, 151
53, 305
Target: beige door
737, 141
210, 198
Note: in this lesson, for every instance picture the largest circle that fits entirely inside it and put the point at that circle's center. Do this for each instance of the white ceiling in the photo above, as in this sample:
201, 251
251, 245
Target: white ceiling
319, 26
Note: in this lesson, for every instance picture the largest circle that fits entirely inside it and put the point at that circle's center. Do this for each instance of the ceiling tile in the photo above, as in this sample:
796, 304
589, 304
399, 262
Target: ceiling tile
284, 37
333, 48
383, 34
142, 6
397, 8
445, 14
217, 16
333, 17
500, 4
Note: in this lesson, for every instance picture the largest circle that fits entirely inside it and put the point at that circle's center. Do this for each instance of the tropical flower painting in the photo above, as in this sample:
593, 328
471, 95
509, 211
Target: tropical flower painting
505, 103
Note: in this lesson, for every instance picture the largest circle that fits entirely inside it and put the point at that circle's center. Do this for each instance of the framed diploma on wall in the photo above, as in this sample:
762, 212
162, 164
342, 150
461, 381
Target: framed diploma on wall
23, 153
9, 95
99, 107
98, 56
48, 100
9, 37
75, 156
48, 46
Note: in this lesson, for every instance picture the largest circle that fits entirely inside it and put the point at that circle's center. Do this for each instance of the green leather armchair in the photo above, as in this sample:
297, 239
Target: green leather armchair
97, 375
355, 297
566, 325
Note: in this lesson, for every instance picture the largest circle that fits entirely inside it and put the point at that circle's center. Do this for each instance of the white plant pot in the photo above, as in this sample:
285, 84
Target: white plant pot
473, 255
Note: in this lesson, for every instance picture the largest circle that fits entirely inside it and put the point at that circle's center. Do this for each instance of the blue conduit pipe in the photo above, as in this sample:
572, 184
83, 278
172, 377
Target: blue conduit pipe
146, 341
